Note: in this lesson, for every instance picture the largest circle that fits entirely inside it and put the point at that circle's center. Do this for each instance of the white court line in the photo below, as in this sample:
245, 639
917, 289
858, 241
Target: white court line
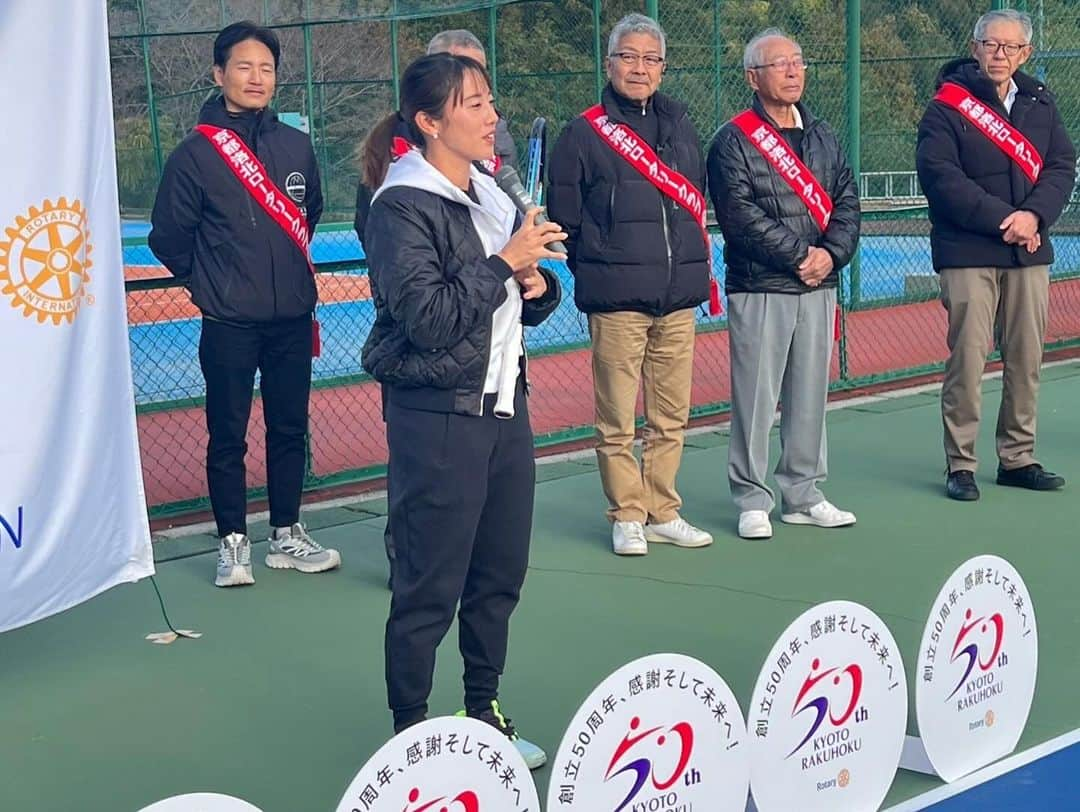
987, 773
571, 456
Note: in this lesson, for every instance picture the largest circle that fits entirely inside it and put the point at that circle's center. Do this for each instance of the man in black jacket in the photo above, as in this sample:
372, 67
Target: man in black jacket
640, 268
991, 211
783, 255
254, 286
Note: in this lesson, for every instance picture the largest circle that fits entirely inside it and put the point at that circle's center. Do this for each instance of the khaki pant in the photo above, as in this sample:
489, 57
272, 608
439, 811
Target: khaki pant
658, 353
1008, 304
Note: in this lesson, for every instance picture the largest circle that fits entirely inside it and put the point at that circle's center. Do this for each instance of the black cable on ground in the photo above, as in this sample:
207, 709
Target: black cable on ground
164, 613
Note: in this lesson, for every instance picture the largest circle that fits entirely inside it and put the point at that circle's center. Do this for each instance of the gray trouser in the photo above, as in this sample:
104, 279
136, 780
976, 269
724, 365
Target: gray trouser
781, 346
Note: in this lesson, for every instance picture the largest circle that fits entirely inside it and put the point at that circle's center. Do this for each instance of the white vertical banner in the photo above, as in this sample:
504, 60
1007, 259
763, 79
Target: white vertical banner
72, 508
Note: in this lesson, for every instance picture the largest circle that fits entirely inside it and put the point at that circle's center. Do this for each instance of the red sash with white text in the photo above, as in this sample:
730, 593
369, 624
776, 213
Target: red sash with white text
1000, 132
781, 157
672, 184
282, 210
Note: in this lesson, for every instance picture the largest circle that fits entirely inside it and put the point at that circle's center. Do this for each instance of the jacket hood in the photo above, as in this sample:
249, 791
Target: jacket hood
413, 170
966, 72
214, 112
495, 211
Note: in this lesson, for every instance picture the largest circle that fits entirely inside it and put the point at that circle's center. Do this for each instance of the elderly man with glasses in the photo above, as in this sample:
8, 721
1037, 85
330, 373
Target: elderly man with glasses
997, 168
627, 182
788, 206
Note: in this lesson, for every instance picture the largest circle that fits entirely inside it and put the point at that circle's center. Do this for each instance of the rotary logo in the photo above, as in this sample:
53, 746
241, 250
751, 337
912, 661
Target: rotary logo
45, 261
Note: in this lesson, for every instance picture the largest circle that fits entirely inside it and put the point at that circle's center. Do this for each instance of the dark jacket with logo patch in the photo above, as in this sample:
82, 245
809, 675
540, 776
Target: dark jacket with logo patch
630, 247
971, 185
238, 263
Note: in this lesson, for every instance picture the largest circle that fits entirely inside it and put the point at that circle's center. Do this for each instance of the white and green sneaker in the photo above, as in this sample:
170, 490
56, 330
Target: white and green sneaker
291, 548
234, 561
534, 757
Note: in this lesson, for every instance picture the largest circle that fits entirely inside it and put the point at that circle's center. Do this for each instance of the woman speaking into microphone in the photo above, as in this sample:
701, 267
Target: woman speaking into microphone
453, 284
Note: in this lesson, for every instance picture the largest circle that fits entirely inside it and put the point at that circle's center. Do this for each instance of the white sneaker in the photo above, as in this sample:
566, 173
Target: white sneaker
755, 524
628, 538
234, 561
678, 532
292, 548
823, 514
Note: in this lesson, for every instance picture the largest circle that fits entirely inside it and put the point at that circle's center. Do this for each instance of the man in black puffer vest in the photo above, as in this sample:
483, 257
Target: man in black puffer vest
640, 268
991, 212
784, 250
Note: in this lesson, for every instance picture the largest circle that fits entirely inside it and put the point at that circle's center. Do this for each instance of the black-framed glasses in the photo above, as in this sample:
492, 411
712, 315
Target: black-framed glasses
630, 59
783, 64
1010, 48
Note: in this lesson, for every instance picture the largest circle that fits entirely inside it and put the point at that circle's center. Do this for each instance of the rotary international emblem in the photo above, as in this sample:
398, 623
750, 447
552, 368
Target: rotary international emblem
45, 261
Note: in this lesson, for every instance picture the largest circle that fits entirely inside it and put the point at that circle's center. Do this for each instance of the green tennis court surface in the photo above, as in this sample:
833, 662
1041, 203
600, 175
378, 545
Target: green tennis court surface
282, 699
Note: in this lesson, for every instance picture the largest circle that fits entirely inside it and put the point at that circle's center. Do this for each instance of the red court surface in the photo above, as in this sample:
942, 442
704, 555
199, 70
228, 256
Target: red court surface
173, 304
346, 421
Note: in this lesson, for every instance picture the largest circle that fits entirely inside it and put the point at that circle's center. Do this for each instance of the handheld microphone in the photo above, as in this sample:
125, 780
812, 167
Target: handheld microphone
508, 180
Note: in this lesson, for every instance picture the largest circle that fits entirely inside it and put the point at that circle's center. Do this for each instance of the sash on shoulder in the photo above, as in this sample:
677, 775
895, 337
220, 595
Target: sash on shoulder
781, 157
671, 183
253, 176
1000, 132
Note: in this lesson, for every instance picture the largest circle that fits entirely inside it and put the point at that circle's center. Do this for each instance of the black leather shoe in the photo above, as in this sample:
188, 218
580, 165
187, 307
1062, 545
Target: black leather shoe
1032, 477
961, 485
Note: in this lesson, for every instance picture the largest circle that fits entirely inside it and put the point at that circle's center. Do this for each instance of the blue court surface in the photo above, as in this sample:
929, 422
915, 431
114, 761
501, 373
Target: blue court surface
1046, 777
165, 358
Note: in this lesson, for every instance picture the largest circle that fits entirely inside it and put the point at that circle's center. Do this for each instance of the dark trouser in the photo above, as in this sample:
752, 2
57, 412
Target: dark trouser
461, 501
388, 542
229, 356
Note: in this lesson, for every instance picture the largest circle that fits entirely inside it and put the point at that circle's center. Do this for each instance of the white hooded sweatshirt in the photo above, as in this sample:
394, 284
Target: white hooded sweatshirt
493, 218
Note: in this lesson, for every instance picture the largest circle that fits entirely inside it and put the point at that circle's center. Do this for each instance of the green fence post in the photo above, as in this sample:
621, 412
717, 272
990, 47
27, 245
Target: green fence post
652, 9
717, 68
309, 464
394, 55
159, 161
854, 82
309, 81
597, 53
492, 53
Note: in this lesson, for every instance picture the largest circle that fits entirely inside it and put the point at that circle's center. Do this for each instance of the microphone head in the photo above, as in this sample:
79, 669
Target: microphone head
509, 181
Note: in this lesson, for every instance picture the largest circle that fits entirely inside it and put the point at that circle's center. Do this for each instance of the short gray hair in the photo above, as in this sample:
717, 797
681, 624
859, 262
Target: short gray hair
1003, 15
442, 42
636, 24
753, 54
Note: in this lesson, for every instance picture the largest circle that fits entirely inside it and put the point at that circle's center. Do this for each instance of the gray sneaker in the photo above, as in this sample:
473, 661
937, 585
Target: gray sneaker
291, 548
234, 561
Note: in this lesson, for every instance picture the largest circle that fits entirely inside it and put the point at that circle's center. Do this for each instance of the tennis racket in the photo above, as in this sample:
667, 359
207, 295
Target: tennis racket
535, 158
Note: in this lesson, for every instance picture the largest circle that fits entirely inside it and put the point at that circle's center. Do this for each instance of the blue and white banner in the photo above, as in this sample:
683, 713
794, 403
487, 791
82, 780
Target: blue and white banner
72, 509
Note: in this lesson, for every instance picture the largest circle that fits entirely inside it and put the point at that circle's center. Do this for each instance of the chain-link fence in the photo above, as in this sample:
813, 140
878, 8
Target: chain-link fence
872, 69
